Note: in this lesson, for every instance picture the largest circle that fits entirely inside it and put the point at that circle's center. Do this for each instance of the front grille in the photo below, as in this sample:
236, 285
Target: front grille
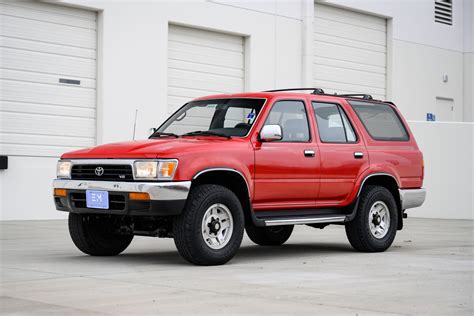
110, 172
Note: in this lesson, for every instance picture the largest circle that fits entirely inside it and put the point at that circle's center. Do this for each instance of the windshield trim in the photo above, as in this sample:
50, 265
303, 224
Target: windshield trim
249, 132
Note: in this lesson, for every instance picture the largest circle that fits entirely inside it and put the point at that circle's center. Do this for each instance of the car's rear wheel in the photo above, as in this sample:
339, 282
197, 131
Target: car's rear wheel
375, 225
210, 229
269, 236
97, 235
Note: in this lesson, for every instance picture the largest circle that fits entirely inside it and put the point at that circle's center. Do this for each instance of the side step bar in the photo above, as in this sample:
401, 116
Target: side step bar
304, 220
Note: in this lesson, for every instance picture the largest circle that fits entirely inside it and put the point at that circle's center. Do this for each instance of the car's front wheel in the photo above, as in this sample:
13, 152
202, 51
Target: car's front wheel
210, 229
375, 225
97, 235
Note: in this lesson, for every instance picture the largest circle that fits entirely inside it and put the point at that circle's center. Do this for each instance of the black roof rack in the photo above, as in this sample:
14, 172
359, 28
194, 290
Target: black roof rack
321, 92
356, 95
315, 90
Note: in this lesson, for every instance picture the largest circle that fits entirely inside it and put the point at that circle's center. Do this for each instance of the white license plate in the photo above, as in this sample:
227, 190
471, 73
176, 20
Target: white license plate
97, 199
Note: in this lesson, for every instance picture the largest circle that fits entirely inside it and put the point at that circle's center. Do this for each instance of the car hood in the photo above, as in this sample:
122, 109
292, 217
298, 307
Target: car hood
166, 147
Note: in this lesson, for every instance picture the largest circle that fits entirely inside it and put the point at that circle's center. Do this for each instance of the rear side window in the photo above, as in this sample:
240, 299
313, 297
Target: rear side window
333, 124
381, 121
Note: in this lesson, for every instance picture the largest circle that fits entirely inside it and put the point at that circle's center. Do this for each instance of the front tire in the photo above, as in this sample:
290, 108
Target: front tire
375, 225
210, 229
97, 235
269, 236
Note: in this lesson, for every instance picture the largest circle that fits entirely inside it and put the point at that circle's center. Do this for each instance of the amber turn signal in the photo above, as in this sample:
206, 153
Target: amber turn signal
60, 192
139, 196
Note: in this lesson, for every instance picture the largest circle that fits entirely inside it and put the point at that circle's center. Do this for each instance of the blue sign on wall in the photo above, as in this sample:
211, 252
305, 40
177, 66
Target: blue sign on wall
430, 117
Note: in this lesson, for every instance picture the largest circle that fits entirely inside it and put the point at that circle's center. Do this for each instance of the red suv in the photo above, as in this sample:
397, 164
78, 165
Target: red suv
260, 162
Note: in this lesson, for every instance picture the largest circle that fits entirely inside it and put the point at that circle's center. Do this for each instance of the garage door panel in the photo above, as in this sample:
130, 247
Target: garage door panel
57, 9
47, 125
35, 108
47, 32
41, 78
205, 68
36, 150
47, 94
336, 63
202, 38
341, 88
350, 31
41, 43
201, 63
349, 51
350, 17
22, 44
208, 79
203, 84
47, 63
204, 56
190, 92
39, 12
45, 140
344, 42
328, 50
364, 78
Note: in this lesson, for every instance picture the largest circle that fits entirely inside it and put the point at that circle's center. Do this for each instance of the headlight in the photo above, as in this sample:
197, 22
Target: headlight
63, 169
156, 170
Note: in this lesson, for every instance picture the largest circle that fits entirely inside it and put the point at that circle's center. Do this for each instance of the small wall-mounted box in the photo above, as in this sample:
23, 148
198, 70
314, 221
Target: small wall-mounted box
3, 162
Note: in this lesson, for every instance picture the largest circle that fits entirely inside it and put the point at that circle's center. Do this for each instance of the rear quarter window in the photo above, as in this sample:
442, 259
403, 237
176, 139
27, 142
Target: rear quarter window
381, 121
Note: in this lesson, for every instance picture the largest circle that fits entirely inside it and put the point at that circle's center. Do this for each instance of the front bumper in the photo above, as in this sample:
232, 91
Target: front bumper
411, 198
166, 198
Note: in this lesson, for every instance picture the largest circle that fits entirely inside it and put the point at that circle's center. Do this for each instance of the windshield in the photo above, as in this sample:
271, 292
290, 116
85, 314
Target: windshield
226, 117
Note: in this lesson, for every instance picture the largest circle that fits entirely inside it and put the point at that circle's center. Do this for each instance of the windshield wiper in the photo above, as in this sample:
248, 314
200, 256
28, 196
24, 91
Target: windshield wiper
206, 133
159, 134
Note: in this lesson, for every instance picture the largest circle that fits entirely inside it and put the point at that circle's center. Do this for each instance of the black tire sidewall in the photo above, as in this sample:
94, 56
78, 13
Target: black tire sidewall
201, 198
378, 194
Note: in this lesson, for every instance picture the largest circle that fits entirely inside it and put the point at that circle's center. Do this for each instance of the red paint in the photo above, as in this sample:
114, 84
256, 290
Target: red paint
278, 174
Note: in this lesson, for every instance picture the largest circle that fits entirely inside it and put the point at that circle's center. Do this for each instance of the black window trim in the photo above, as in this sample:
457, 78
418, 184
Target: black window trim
307, 121
340, 108
383, 139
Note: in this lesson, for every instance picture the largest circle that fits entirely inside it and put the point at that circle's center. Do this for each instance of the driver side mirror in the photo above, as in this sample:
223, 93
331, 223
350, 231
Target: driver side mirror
270, 133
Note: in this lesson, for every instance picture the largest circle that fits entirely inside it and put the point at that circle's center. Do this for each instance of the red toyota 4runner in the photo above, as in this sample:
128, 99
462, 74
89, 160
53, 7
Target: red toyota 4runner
262, 162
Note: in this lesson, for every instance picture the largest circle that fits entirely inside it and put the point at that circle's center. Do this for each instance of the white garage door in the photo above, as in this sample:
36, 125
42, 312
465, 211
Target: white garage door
47, 78
202, 63
349, 51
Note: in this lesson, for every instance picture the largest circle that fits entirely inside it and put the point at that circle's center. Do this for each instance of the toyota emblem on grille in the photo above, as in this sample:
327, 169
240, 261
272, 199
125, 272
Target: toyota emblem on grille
99, 171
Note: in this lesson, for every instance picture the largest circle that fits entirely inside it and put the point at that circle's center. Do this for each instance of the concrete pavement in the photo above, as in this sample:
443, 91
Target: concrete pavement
428, 270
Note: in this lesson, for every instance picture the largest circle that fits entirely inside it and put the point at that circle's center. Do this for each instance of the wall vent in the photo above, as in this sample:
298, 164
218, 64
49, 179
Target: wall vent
444, 11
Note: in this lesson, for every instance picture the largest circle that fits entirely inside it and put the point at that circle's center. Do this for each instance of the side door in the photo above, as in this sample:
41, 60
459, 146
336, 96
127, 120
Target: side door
343, 153
286, 171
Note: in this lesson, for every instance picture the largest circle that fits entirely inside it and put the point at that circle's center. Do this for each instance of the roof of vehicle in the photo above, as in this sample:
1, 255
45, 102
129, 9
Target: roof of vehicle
291, 92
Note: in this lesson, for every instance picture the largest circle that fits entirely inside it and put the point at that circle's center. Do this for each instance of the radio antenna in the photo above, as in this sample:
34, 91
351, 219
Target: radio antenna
135, 123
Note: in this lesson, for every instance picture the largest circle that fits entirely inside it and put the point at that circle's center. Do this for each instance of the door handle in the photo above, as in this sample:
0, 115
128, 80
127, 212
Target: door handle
309, 153
358, 155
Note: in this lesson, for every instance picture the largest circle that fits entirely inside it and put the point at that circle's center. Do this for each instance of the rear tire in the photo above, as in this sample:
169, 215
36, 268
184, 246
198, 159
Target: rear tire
211, 227
96, 235
269, 236
375, 225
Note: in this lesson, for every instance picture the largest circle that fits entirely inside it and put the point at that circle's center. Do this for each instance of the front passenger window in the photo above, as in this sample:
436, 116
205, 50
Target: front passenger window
291, 116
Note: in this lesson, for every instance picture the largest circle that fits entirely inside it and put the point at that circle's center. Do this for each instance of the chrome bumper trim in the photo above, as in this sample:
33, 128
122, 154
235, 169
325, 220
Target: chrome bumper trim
411, 198
162, 191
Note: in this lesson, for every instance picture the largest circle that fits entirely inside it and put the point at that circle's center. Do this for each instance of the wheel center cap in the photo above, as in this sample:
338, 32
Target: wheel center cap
377, 220
214, 226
